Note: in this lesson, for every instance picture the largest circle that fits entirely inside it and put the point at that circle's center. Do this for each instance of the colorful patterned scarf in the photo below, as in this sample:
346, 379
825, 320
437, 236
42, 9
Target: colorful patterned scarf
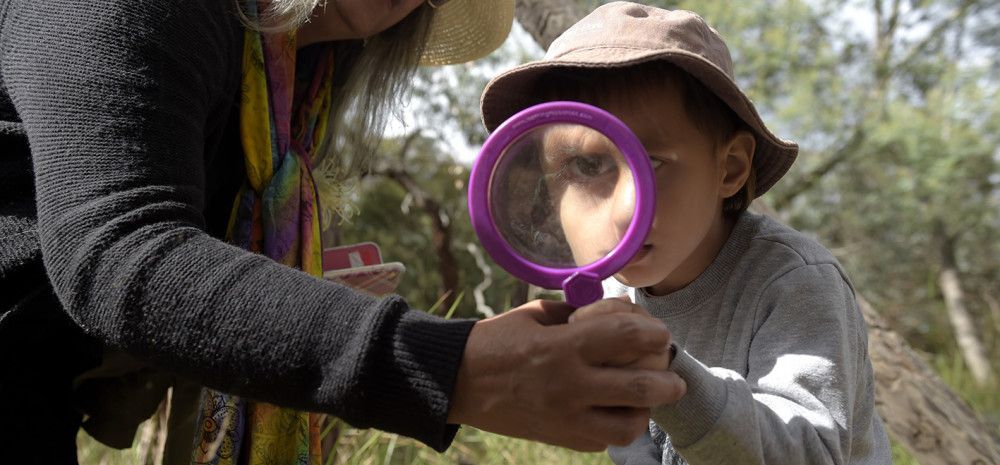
276, 214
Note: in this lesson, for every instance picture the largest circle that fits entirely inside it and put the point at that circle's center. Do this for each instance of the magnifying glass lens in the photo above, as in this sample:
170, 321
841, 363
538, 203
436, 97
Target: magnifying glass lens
562, 195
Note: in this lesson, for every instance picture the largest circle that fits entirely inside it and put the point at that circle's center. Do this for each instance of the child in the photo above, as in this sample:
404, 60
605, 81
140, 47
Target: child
766, 330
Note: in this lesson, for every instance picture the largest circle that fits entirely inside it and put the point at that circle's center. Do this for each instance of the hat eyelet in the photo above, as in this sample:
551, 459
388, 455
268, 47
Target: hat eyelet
637, 12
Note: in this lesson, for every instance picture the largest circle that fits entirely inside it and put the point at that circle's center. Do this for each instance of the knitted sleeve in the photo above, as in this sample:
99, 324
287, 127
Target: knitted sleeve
803, 400
115, 97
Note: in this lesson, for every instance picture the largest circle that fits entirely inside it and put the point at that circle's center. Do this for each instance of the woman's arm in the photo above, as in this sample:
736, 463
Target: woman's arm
115, 97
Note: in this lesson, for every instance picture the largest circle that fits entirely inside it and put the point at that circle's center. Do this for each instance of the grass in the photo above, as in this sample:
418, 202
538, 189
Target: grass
91, 452
373, 447
472, 446
983, 398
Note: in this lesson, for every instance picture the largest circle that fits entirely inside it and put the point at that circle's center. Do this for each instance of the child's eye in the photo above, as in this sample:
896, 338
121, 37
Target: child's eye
659, 160
589, 167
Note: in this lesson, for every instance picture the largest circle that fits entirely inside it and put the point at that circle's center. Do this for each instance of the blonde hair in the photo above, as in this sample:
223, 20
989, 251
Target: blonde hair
281, 15
371, 79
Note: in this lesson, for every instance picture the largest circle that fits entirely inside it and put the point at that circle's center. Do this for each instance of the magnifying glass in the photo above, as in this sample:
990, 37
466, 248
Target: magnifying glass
562, 196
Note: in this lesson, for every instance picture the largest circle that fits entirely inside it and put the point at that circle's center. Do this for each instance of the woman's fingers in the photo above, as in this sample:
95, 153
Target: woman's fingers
617, 339
620, 387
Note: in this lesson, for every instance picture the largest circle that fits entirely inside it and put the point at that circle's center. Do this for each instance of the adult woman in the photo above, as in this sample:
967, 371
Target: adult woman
126, 134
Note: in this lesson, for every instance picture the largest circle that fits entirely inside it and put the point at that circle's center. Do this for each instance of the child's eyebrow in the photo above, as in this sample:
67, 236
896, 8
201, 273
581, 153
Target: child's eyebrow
577, 143
655, 144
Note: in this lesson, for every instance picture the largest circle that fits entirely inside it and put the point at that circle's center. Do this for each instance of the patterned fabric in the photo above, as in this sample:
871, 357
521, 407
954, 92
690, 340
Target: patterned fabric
662, 441
275, 214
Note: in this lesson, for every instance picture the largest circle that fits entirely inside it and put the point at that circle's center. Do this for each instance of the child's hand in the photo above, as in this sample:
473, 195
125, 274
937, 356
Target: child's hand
654, 361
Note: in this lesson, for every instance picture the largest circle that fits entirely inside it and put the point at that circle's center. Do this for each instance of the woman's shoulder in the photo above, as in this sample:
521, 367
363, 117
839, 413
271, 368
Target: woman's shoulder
121, 50
190, 25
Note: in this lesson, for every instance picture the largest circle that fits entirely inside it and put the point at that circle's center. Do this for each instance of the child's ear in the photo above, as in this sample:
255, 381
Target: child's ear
735, 161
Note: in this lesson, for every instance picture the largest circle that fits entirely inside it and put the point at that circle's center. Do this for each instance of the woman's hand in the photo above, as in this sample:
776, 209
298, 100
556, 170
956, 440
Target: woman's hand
526, 374
652, 361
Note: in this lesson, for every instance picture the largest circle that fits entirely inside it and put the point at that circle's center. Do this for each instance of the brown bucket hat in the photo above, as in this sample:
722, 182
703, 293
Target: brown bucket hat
622, 34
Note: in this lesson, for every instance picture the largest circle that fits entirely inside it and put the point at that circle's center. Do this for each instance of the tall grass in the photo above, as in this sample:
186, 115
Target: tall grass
984, 399
373, 447
472, 446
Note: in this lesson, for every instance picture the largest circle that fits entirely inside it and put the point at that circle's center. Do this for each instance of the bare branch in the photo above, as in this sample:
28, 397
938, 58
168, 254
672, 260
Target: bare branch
478, 292
935, 34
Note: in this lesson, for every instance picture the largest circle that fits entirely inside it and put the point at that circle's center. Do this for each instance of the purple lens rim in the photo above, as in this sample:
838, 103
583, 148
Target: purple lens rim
555, 113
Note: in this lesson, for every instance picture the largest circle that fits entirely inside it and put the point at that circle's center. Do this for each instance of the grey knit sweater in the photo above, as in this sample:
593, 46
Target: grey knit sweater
774, 351
119, 163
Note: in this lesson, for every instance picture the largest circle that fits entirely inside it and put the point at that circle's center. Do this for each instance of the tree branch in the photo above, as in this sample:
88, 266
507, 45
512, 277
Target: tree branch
808, 180
934, 34
478, 292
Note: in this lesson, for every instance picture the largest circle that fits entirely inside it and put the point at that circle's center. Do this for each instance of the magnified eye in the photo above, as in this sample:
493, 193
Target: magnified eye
589, 166
586, 168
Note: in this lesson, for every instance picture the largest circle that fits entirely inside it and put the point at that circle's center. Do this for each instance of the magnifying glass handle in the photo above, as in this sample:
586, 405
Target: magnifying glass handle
582, 288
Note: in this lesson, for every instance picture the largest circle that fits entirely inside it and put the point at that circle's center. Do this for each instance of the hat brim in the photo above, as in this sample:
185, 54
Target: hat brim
512, 91
466, 30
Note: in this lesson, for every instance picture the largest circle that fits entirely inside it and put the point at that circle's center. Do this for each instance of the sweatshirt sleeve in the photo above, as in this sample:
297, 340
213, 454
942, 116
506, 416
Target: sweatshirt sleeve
115, 97
806, 398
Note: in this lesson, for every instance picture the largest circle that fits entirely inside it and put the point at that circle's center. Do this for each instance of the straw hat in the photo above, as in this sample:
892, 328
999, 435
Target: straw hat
464, 30
622, 34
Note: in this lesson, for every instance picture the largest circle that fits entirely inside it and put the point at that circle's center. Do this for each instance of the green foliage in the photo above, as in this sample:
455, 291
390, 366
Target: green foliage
388, 215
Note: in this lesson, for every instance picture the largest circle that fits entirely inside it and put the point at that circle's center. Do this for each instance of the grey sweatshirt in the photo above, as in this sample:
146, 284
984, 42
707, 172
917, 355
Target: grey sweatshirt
774, 351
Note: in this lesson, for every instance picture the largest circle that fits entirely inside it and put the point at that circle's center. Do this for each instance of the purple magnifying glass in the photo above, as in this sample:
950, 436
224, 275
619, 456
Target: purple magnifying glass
562, 196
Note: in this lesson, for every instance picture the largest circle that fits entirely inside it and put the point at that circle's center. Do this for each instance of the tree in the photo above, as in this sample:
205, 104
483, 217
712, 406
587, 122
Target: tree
412, 202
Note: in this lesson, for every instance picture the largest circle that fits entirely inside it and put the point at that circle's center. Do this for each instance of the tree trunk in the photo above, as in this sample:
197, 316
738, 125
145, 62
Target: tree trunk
440, 236
921, 413
520, 296
447, 265
969, 344
919, 410
544, 20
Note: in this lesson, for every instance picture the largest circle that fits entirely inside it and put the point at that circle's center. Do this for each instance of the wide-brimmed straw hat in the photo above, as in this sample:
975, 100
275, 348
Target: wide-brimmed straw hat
464, 30
622, 34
